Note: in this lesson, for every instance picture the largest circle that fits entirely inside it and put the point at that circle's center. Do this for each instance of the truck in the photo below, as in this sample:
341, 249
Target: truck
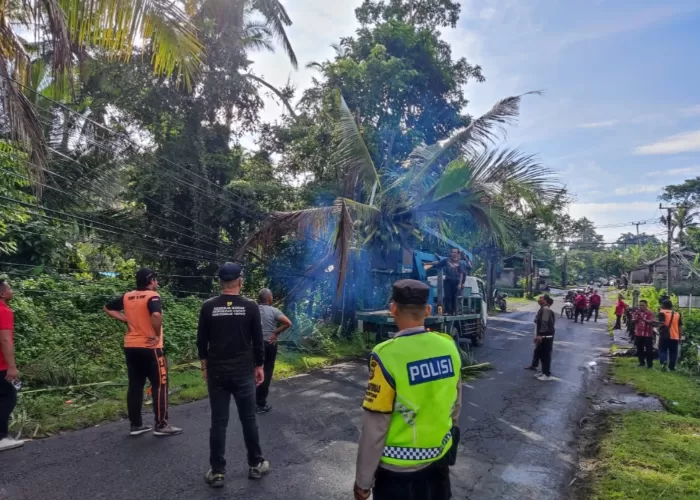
467, 327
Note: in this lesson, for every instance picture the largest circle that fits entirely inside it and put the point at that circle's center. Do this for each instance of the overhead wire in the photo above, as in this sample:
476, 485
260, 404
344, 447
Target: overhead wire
253, 214
87, 219
121, 136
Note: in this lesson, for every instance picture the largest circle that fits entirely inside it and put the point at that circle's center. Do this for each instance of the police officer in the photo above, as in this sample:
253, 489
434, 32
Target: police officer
412, 406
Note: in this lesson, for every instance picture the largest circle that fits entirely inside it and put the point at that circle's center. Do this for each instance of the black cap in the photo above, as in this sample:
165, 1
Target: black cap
144, 277
410, 292
230, 271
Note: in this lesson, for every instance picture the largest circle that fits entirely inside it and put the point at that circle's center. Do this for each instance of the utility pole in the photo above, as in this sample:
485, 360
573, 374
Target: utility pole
669, 212
564, 277
528, 275
638, 223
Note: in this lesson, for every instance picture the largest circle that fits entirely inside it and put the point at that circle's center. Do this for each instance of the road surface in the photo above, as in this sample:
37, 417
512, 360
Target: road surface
517, 435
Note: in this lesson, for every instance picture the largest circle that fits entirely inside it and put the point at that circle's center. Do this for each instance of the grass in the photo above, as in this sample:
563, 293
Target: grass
646, 455
42, 414
651, 455
521, 300
680, 393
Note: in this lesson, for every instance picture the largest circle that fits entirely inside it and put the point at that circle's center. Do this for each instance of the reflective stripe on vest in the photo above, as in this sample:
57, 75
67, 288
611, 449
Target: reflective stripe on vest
401, 453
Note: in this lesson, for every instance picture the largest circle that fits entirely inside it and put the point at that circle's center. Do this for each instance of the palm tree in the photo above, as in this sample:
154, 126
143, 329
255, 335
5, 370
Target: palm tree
438, 186
66, 29
681, 220
235, 14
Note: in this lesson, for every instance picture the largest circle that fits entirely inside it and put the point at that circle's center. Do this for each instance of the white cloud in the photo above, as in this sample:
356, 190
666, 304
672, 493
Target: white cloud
675, 171
604, 124
640, 188
680, 143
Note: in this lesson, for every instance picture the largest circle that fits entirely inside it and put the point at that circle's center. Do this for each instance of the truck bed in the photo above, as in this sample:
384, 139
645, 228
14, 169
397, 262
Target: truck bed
384, 317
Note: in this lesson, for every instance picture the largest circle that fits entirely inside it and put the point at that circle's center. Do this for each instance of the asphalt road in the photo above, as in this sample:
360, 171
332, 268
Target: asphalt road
517, 435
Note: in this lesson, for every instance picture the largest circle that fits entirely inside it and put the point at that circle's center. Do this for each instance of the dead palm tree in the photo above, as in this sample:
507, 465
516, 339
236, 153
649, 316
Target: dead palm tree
439, 184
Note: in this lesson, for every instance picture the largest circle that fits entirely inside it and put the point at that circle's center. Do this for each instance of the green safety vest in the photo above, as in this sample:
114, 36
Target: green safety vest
424, 369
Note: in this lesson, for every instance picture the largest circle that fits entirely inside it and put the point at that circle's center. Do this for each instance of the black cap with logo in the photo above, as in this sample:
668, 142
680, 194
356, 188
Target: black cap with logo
230, 271
144, 277
410, 292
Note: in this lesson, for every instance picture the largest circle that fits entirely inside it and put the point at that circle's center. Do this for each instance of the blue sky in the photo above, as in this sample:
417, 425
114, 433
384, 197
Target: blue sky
620, 117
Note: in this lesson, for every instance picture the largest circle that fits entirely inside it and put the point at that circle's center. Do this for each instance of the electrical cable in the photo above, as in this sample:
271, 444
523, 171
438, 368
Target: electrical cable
157, 240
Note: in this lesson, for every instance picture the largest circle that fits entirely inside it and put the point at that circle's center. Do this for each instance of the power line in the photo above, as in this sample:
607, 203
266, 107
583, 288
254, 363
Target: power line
119, 135
141, 237
196, 237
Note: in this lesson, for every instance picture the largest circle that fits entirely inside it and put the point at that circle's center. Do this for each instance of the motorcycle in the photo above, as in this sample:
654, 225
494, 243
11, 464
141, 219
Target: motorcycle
501, 300
568, 309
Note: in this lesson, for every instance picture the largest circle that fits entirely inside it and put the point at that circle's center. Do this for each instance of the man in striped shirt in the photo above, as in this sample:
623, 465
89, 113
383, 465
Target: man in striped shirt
644, 334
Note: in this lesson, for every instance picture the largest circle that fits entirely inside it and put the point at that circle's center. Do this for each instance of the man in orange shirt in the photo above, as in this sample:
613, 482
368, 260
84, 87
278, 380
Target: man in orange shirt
141, 310
669, 342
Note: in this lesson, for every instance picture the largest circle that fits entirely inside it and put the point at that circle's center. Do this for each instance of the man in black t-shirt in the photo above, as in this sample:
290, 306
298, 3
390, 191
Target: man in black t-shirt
230, 345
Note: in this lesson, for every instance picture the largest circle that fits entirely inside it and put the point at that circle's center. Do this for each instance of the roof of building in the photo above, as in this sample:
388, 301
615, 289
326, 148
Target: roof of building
686, 252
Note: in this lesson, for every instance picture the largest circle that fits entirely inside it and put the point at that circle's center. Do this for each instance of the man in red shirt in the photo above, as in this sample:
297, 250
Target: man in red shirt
580, 307
8, 368
620, 309
644, 334
595, 306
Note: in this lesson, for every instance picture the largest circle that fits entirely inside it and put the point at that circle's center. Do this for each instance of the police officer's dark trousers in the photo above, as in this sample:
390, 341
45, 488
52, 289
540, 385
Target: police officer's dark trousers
431, 483
222, 386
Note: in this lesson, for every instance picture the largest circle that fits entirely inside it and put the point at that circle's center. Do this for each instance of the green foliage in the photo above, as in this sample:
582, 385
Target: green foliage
62, 336
678, 390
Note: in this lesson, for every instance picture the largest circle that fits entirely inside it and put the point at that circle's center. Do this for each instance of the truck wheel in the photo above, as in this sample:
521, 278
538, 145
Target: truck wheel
478, 338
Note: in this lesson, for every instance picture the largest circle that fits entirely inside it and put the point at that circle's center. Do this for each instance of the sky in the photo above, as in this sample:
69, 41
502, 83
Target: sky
620, 114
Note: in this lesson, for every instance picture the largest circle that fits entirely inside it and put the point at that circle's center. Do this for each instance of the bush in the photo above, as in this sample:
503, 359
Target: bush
62, 336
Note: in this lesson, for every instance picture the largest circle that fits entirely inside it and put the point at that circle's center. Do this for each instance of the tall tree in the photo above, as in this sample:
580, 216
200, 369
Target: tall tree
442, 184
423, 13
403, 86
113, 27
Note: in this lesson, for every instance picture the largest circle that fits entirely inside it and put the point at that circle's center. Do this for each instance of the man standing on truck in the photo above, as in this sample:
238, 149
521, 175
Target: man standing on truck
412, 405
455, 271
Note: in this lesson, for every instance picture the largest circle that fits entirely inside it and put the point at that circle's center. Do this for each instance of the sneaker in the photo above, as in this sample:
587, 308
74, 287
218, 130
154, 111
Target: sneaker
137, 430
258, 471
167, 430
538, 375
263, 409
214, 479
10, 444
545, 378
